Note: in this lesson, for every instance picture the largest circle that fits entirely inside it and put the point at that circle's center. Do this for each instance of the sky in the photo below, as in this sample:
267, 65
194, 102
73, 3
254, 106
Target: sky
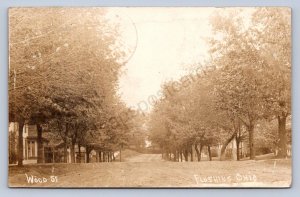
163, 44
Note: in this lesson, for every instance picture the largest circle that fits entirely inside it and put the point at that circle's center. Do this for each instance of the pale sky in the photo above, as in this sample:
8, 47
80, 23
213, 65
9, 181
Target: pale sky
168, 41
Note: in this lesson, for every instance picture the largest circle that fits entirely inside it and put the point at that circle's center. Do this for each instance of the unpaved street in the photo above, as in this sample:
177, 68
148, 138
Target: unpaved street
145, 158
151, 171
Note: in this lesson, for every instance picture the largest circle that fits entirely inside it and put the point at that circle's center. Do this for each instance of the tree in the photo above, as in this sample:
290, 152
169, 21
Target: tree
180, 125
240, 84
272, 27
246, 81
57, 56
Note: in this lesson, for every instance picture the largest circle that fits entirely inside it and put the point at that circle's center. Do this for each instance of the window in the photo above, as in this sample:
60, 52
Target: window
31, 148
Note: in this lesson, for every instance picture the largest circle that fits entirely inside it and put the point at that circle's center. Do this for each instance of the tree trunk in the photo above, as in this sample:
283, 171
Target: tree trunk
237, 149
174, 155
53, 155
97, 156
66, 144
180, 155
79, 154
87, 152
40, 146
251, 141
192, 155
113, 156
197, 152
20, 143
222, 154
185, 154
282, 149
73, 152
209, 153
201, 148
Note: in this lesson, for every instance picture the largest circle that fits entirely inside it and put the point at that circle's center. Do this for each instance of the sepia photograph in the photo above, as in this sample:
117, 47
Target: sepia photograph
149, 97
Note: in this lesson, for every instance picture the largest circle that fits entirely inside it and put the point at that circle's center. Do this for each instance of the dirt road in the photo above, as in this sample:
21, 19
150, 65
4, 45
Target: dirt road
142, 173
145, 158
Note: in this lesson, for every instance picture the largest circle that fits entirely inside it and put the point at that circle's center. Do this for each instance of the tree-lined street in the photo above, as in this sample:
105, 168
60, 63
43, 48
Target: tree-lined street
215, 85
